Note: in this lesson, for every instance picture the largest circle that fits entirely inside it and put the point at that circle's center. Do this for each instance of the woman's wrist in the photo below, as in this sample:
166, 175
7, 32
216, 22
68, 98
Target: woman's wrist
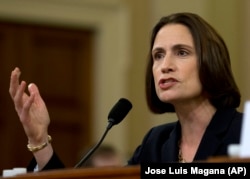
35, 148
43, 156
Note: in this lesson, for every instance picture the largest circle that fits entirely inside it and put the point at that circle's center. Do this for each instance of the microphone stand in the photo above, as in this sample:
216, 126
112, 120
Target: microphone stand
93, 149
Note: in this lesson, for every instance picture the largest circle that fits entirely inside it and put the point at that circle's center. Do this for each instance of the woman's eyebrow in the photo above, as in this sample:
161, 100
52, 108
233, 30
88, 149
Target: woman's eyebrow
178, 46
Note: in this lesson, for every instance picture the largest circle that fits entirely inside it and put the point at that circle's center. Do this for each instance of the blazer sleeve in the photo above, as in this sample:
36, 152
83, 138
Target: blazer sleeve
54, 163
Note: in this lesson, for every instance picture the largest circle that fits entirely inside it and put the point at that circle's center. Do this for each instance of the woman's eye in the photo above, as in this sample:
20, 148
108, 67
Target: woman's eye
157, 56
182, 53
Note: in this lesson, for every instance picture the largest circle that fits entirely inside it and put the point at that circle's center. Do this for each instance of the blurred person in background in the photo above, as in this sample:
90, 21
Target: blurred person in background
104, 156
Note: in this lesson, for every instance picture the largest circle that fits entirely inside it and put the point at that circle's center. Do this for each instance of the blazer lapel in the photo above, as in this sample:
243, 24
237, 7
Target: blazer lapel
170, 148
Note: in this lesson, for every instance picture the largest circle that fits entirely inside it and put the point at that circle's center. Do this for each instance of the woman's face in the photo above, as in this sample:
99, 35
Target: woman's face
175, 67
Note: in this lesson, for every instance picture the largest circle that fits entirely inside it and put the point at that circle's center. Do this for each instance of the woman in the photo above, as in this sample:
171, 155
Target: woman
188, 72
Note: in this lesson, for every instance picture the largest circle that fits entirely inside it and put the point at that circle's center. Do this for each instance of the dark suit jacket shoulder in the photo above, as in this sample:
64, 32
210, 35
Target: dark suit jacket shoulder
161, 143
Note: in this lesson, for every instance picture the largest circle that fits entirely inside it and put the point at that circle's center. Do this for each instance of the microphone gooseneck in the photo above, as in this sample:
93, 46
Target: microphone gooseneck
115, 116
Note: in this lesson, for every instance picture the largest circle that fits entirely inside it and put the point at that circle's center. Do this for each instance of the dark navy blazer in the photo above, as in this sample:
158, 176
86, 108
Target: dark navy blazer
160, 145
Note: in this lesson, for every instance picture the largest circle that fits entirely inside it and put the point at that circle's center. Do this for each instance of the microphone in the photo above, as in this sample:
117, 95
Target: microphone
115, 116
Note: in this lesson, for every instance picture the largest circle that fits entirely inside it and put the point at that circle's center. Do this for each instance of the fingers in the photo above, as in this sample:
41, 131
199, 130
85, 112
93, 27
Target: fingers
20, 95
27, 105
17, 91
14, 81
33, 88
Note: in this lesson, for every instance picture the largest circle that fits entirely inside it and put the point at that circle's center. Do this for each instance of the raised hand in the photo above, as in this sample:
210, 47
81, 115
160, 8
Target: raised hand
33, 115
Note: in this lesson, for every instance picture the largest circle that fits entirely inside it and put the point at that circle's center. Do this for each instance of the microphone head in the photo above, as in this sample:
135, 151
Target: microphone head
119, 111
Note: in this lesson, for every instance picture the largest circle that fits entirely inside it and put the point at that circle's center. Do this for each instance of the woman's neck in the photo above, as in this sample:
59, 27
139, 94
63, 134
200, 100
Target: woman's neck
194, 121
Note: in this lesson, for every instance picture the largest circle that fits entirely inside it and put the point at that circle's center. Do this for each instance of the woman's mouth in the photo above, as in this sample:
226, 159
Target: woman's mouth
167, 83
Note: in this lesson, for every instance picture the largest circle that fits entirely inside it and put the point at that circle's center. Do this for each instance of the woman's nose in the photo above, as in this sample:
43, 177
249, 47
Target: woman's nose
167, 65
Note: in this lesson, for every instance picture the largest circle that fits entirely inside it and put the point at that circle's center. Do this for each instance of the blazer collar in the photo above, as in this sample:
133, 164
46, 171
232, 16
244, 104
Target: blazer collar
170, 148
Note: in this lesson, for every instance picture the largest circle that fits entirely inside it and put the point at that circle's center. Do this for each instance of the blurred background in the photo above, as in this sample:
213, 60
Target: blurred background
85, 55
